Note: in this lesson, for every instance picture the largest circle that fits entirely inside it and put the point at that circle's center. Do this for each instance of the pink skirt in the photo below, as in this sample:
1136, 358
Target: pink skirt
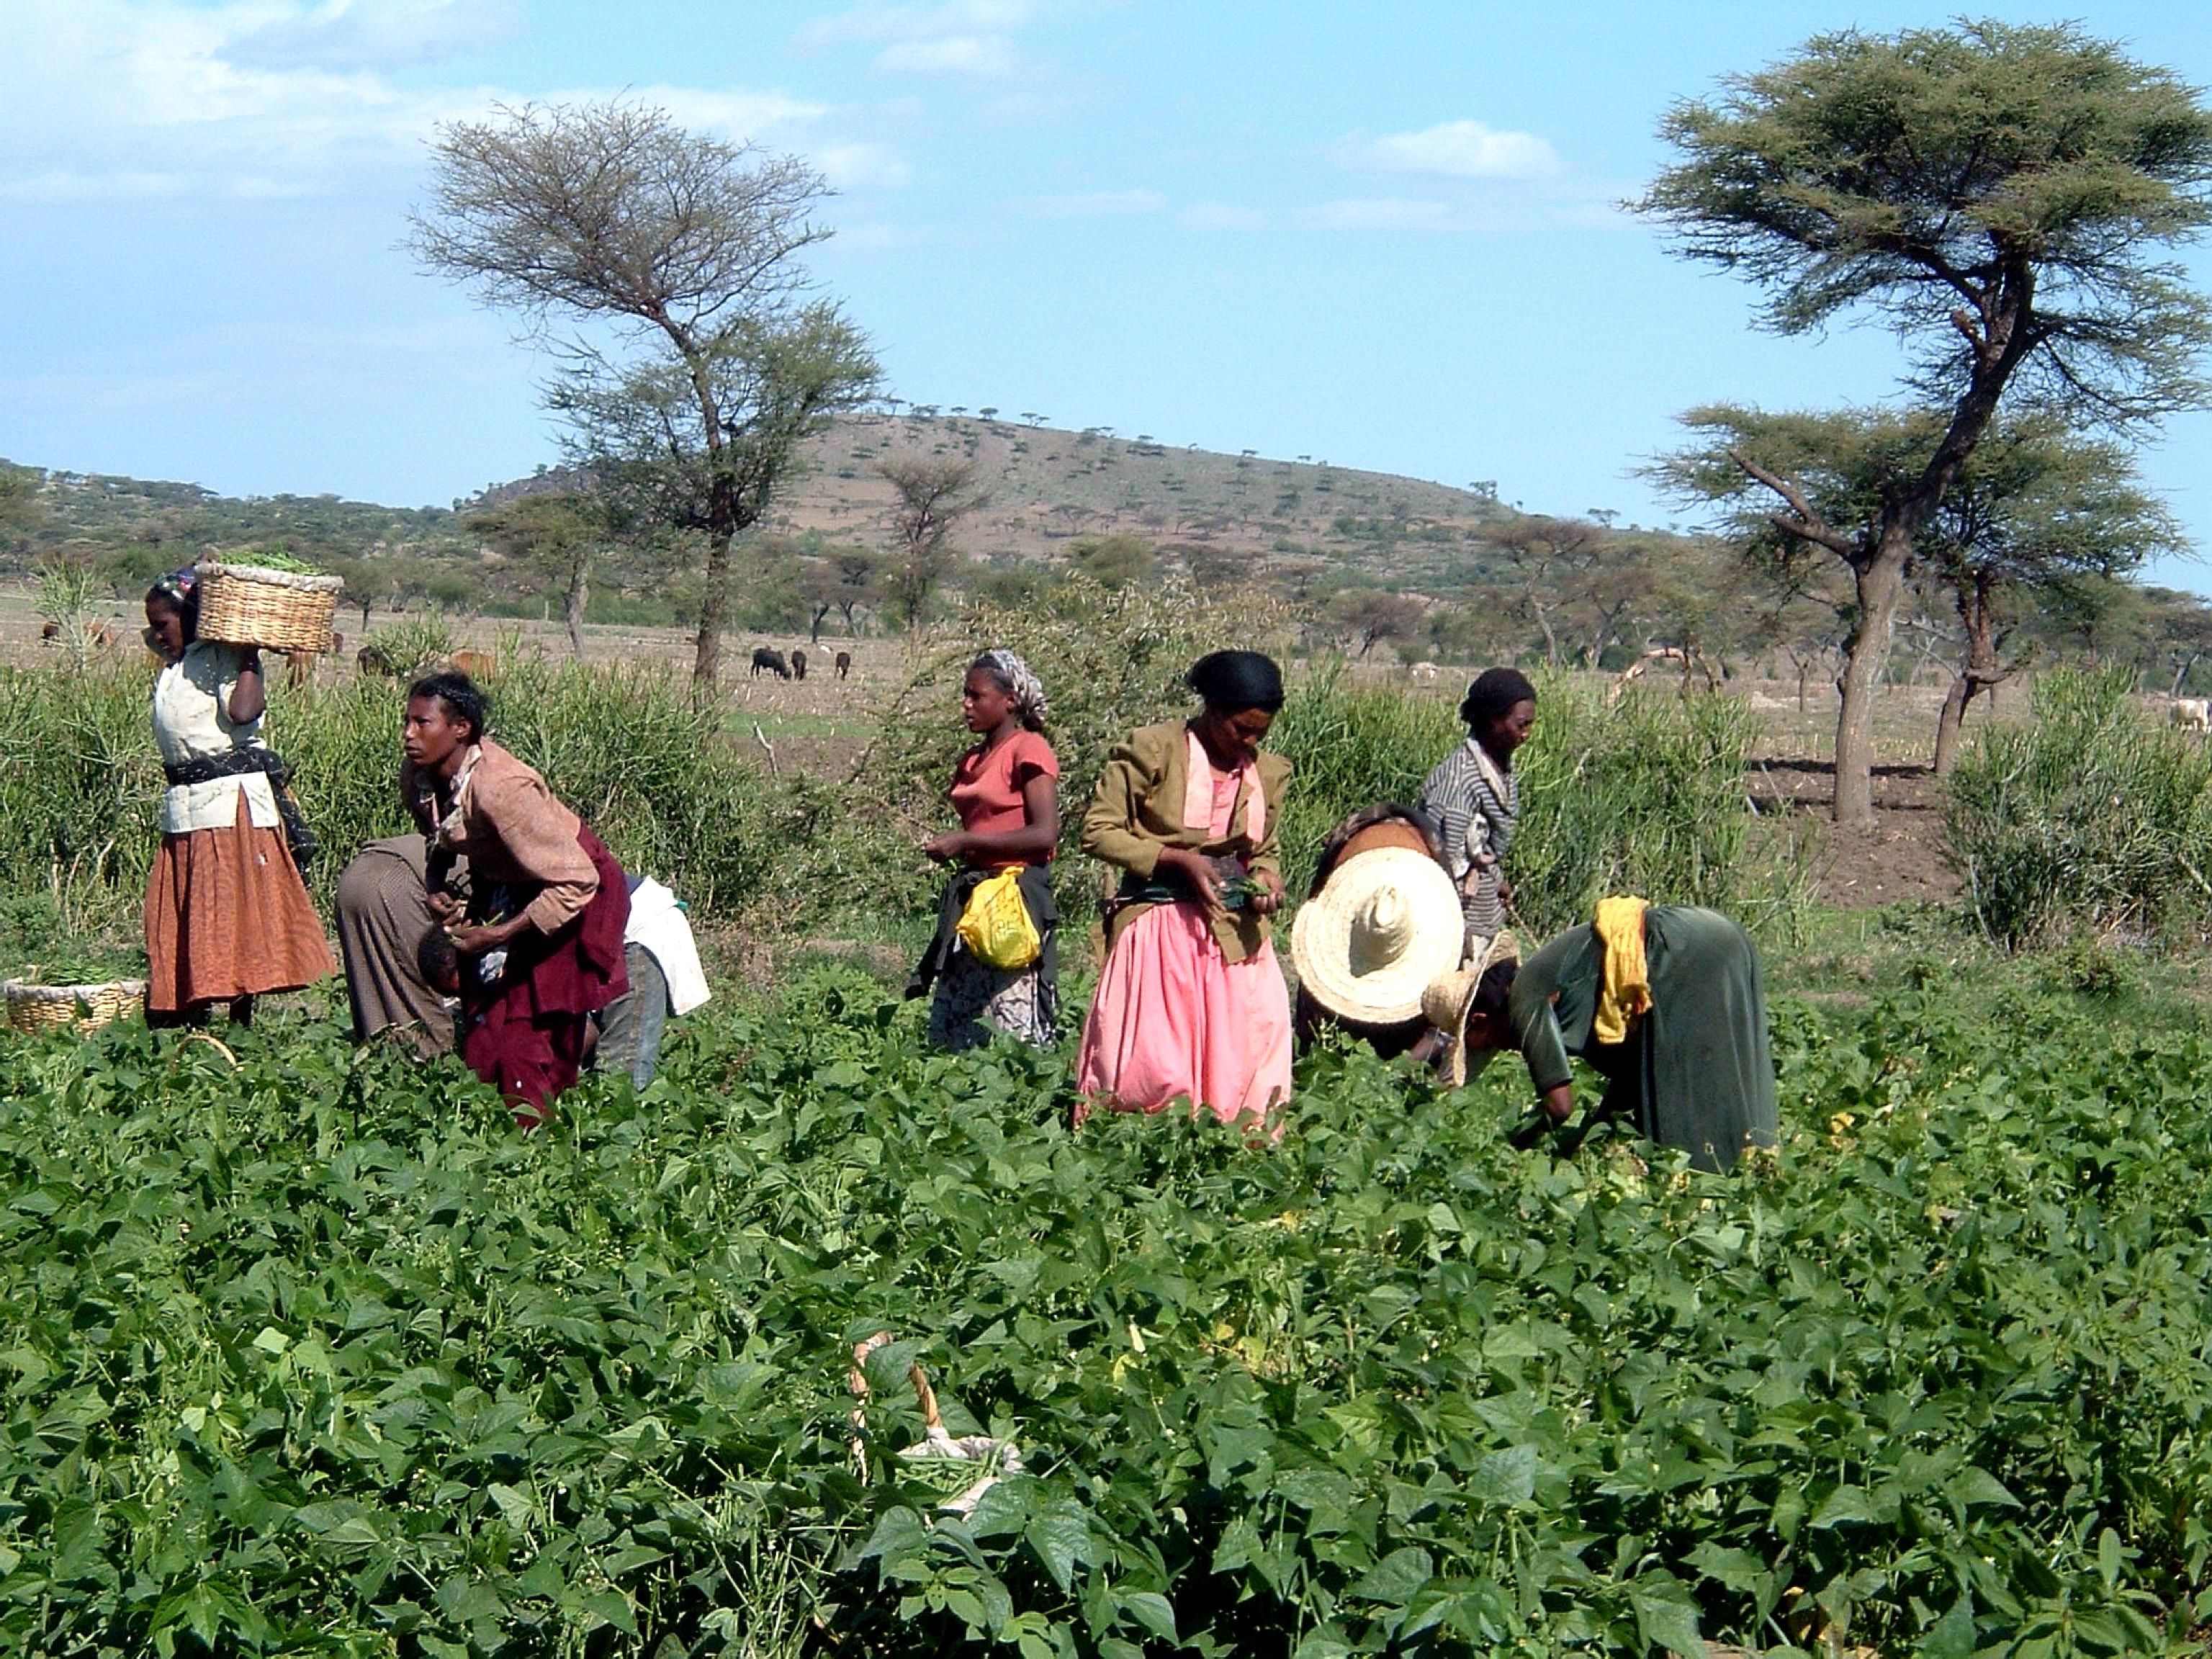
1173, 1019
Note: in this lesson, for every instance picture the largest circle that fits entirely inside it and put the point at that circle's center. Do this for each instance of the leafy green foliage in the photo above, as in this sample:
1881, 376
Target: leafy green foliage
1644, 795
265, 558
2093, 818
318, 1356
81, 785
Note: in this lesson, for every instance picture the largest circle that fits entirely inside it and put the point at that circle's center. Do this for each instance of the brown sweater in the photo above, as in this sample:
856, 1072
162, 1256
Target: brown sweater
1138, 812
513, 833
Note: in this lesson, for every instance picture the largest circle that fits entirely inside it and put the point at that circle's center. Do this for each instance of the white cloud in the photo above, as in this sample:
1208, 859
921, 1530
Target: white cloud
1095, 204
122, 99
860, 166
1383, 213
958, 54
878, 23
374, 32
741, 115
1461, 149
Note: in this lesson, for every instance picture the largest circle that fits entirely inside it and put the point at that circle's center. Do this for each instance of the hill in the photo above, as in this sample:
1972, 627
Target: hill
1436, 571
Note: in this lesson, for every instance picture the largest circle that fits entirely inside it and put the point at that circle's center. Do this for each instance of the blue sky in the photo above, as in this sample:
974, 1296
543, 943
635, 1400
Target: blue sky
1385, 234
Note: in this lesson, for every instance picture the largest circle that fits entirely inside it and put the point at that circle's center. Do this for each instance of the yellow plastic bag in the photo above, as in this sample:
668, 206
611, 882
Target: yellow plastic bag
995, 925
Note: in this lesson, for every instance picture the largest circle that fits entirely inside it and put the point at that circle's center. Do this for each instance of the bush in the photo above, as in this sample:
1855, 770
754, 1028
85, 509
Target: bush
1111, 660
2094, 818
81, 785
1643, 796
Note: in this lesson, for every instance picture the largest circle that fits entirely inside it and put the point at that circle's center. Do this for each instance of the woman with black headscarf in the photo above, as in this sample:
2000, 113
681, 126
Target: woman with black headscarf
1190, 1003
1474, 799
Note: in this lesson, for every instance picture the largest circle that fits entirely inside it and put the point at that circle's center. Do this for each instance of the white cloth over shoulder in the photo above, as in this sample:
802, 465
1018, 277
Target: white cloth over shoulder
191, 721
658, 923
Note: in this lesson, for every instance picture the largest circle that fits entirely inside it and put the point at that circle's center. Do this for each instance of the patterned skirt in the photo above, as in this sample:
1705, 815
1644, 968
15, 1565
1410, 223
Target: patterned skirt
1023, 1002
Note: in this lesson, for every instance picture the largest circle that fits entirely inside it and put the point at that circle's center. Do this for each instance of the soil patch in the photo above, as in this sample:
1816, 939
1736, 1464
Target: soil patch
1900, 860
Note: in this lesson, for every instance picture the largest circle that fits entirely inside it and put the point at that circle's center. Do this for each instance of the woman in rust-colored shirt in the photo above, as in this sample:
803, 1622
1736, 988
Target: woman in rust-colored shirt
539, 930
1006, 791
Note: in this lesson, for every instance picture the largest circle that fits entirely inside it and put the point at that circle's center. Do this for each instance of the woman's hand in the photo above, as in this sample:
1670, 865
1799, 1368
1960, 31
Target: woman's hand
953, 844
1559, 1103
474, 939
1196, 869
1267, 893
1505, 891
249, 698
443, 907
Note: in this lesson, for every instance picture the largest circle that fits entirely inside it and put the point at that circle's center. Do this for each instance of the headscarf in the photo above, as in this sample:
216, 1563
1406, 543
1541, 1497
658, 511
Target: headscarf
1023, 686
181, 589
1237, 679
1492, 697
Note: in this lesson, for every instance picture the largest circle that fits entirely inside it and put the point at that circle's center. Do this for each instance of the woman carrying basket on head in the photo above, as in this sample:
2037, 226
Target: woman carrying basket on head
227, 914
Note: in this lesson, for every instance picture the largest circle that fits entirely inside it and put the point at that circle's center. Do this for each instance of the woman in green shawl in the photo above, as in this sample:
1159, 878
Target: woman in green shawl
1692, 1069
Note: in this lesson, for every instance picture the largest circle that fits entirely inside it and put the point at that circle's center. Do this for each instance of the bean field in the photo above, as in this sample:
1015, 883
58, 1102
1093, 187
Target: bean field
309, 1353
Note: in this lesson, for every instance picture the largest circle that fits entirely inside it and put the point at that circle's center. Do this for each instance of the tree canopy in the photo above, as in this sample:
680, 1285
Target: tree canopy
697, 361
2007, 199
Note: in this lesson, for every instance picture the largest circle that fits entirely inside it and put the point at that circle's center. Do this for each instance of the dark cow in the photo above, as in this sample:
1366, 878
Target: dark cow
51, 633
798, 664
844, 663
767, 657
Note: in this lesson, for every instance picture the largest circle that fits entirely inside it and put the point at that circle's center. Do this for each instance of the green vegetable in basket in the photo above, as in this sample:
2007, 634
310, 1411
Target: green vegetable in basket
265, 558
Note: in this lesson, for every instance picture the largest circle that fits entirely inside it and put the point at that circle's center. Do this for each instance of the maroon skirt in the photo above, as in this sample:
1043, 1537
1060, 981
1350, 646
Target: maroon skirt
527, 1033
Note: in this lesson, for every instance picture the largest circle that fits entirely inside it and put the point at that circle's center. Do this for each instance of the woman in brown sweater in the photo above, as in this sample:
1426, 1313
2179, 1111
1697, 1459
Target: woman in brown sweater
540, 929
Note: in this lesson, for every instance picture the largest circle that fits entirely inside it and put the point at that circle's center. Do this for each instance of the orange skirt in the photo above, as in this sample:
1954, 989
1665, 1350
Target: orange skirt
226, 915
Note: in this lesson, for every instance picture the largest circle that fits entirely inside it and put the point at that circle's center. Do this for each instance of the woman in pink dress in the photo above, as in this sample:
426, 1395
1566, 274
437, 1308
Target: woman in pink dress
1190, 1003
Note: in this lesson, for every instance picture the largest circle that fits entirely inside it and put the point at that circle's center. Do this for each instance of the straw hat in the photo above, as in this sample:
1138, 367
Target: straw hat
1386, 923
1447, 1002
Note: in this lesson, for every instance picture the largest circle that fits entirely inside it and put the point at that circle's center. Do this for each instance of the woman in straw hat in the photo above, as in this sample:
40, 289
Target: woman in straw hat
1666, 1002
1474, 798
1005, 791
1190, 1003
1380, 922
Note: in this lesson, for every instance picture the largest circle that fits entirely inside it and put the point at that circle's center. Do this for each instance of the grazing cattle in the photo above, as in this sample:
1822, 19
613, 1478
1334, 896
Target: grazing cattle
370, 660
1424, 674
844, 663
51, 633
102, 633
2192, 713
475, 664
799, 665
299, 666
771, 659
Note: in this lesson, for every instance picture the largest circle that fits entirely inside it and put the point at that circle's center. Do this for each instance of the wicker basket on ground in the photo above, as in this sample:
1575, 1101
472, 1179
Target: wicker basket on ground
277, 609
41, 1007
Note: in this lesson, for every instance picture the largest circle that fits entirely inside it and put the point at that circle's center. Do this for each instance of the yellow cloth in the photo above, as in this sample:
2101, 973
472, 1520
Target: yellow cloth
1625, 992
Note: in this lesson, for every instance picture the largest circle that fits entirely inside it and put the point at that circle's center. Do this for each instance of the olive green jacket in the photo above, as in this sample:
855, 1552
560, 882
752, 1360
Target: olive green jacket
1137, 813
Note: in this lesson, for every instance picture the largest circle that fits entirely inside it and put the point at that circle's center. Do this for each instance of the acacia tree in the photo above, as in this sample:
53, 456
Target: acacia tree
2038, 509
931, 494
2004, 198
559, 530
699, 361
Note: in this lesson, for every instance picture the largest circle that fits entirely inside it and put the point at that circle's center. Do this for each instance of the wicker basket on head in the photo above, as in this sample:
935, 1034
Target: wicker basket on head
244, 605
42, 1007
